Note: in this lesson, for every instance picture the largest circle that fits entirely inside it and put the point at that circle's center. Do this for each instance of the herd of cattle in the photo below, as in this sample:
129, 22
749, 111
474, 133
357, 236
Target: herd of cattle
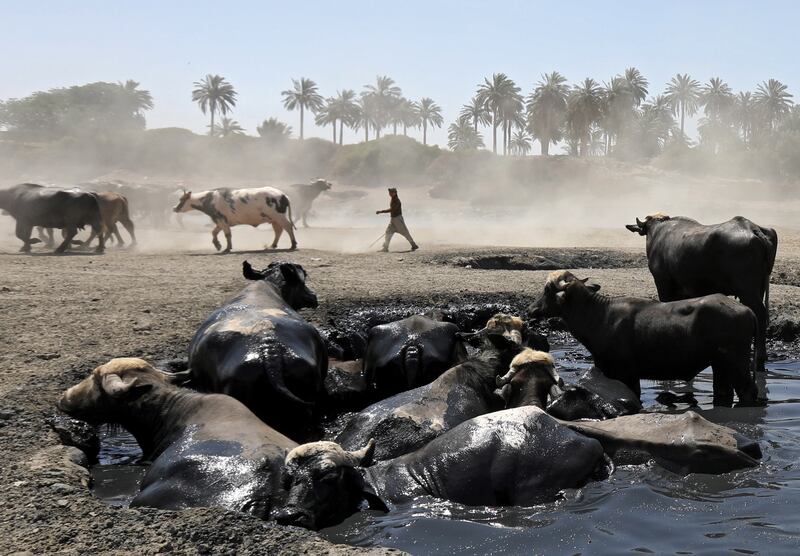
478, 417
101, 206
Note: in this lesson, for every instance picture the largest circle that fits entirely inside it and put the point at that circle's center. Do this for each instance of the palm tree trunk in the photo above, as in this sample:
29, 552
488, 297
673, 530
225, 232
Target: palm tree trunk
683, 106
341, 130
334, 132
366, 132
301, 122
475, 121
545, 143
211, 128
394, 131
405, 130
494, 132
424, 132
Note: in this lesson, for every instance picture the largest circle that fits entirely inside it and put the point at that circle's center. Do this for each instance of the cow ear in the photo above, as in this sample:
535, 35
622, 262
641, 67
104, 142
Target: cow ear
250, 273
130, 387
591, 285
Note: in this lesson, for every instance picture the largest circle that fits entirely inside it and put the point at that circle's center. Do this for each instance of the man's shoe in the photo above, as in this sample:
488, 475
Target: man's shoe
414, 247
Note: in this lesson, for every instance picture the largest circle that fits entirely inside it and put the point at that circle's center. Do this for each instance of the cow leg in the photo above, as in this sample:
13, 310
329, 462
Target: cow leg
278, 230
46, 235
285, 225
227, 231
214, 234
757, 306
127, 223
666, 290
69, 234
731, 372
23, 231
100, 230
116, 233
91, 237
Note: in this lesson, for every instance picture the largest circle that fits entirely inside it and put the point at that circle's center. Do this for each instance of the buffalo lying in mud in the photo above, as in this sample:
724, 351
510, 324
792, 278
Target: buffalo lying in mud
632, 338
411, 352
34, 205
259, 350
688, 259
517, 456
206, 449
409, 420
595, 396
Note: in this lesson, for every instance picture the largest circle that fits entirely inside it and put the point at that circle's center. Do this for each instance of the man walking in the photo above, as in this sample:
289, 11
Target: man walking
396, 223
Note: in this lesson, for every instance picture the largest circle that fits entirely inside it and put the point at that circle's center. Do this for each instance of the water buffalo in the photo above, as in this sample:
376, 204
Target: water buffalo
233, 207
632, 338
409, 420
519, 456
685, 443
688, 259
595, 396
530, 379
302, 196
259, 350
206, 449
35, 205
113, 209
409, 353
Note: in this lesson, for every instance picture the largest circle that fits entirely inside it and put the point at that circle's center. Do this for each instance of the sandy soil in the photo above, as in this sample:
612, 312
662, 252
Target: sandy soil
62, 315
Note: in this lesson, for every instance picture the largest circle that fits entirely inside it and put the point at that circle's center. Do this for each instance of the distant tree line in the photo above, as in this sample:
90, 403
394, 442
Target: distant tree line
618, 117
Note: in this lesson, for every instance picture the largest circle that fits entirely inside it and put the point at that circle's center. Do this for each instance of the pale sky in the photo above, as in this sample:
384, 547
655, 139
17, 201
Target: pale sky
440, 49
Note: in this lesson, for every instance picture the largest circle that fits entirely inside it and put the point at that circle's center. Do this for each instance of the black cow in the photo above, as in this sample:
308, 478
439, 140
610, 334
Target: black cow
206, 449
595, 396
632, 338
519, 456
411, 419
409, 353
259, 350
688, 259
35, 205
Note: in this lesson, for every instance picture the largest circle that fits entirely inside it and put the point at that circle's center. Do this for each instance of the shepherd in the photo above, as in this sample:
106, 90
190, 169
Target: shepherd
396, 223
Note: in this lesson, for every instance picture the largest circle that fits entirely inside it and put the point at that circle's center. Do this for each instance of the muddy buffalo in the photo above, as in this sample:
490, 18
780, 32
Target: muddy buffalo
33, 205
409, 353
595, 396
206, 449
302, 196
688, 259
259, 350
632, 338
519, 456
409, 420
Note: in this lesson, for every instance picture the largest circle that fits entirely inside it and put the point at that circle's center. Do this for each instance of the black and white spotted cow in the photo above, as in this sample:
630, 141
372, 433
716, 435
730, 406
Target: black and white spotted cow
233, 207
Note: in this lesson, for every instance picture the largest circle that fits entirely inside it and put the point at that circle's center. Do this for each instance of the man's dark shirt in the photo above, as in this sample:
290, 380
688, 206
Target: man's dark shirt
395, 207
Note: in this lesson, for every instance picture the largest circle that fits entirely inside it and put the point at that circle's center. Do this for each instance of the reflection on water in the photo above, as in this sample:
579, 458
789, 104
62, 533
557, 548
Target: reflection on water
639, 508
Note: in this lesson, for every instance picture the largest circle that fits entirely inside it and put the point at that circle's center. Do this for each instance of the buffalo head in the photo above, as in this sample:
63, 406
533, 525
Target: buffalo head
557, 289
325, 486
641, 228
183, 203
531, 377
103, 396
289, 278
321, 184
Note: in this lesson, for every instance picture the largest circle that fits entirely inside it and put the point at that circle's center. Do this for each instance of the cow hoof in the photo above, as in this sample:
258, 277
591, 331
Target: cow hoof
273, 246
217, 246
293, 247
225, 252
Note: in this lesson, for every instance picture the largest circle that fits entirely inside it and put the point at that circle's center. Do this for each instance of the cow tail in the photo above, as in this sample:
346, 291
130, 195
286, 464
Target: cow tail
291, 221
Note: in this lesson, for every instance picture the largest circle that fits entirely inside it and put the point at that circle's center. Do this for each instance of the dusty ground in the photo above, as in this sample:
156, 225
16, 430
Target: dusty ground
63, 315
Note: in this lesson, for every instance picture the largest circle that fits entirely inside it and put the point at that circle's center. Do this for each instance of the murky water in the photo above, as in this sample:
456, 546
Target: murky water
640, 509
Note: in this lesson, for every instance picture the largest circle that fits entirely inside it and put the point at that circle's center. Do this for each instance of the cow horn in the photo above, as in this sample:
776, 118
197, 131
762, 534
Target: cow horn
363, 457
639, 222
114, 386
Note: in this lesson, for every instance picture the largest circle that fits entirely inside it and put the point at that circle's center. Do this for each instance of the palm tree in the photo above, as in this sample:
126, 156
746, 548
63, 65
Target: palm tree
493, 95
511, 115
773, 101
138, 99
716, 98
521, 143
327, 115
214, 93
304, 95
367, 114
683, 93
653, 125
475, 112
744, 115
547, 109
343, 109
385, 95
407, 113
462, 137
274, 130
429, 113
619, 107
584, 110
228, 127
636, 84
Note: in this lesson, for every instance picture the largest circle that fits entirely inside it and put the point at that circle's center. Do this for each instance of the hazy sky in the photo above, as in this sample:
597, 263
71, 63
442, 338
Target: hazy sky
437, 49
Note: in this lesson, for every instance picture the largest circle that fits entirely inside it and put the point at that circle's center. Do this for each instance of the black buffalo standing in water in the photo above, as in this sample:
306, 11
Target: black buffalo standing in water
259, 350
688, 259
34, 205
409, 353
